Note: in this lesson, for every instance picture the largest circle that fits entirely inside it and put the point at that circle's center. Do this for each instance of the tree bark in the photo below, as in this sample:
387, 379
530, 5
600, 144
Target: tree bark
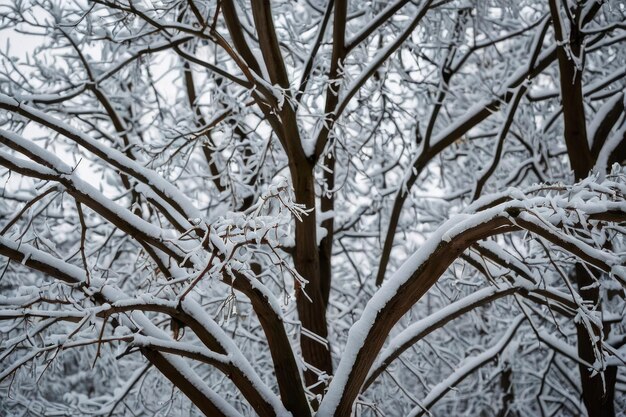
310, 301
597, 397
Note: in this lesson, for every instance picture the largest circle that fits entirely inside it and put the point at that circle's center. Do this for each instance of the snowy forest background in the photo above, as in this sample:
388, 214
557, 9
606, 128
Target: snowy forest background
312, 208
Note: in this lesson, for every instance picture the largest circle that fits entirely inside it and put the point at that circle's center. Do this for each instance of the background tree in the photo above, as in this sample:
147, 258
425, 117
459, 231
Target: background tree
313, 207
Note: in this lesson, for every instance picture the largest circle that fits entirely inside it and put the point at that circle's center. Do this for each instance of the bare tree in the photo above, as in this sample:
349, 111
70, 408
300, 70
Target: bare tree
313, 207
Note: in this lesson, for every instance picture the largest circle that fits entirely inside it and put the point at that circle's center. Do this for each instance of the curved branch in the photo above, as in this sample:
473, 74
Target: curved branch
422, 270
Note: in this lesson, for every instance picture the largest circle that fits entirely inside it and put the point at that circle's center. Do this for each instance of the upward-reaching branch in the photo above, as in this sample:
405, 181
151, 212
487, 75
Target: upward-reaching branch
571, 67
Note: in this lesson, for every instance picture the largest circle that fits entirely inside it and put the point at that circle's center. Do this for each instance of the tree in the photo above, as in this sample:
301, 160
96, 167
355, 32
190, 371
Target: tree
313, 208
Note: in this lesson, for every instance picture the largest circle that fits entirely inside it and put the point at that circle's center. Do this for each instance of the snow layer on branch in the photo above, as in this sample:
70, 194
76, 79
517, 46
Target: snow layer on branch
76, 274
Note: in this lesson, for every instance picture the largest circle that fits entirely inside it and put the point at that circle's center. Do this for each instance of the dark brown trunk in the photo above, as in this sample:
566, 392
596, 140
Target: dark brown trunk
312, 312
327, 204
597, 397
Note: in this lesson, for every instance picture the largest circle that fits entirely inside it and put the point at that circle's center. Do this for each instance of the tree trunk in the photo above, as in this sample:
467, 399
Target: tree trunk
597, 397
312, 312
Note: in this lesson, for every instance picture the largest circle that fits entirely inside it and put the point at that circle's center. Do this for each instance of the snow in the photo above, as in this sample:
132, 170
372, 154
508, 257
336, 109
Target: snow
562, 347
58, 169
25, 165
185, 348
390, 6
45, 157
308, 145
188, 373
157, 337
235, 357
76, 274
202, 246
619, 271
600, 255
93, 195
